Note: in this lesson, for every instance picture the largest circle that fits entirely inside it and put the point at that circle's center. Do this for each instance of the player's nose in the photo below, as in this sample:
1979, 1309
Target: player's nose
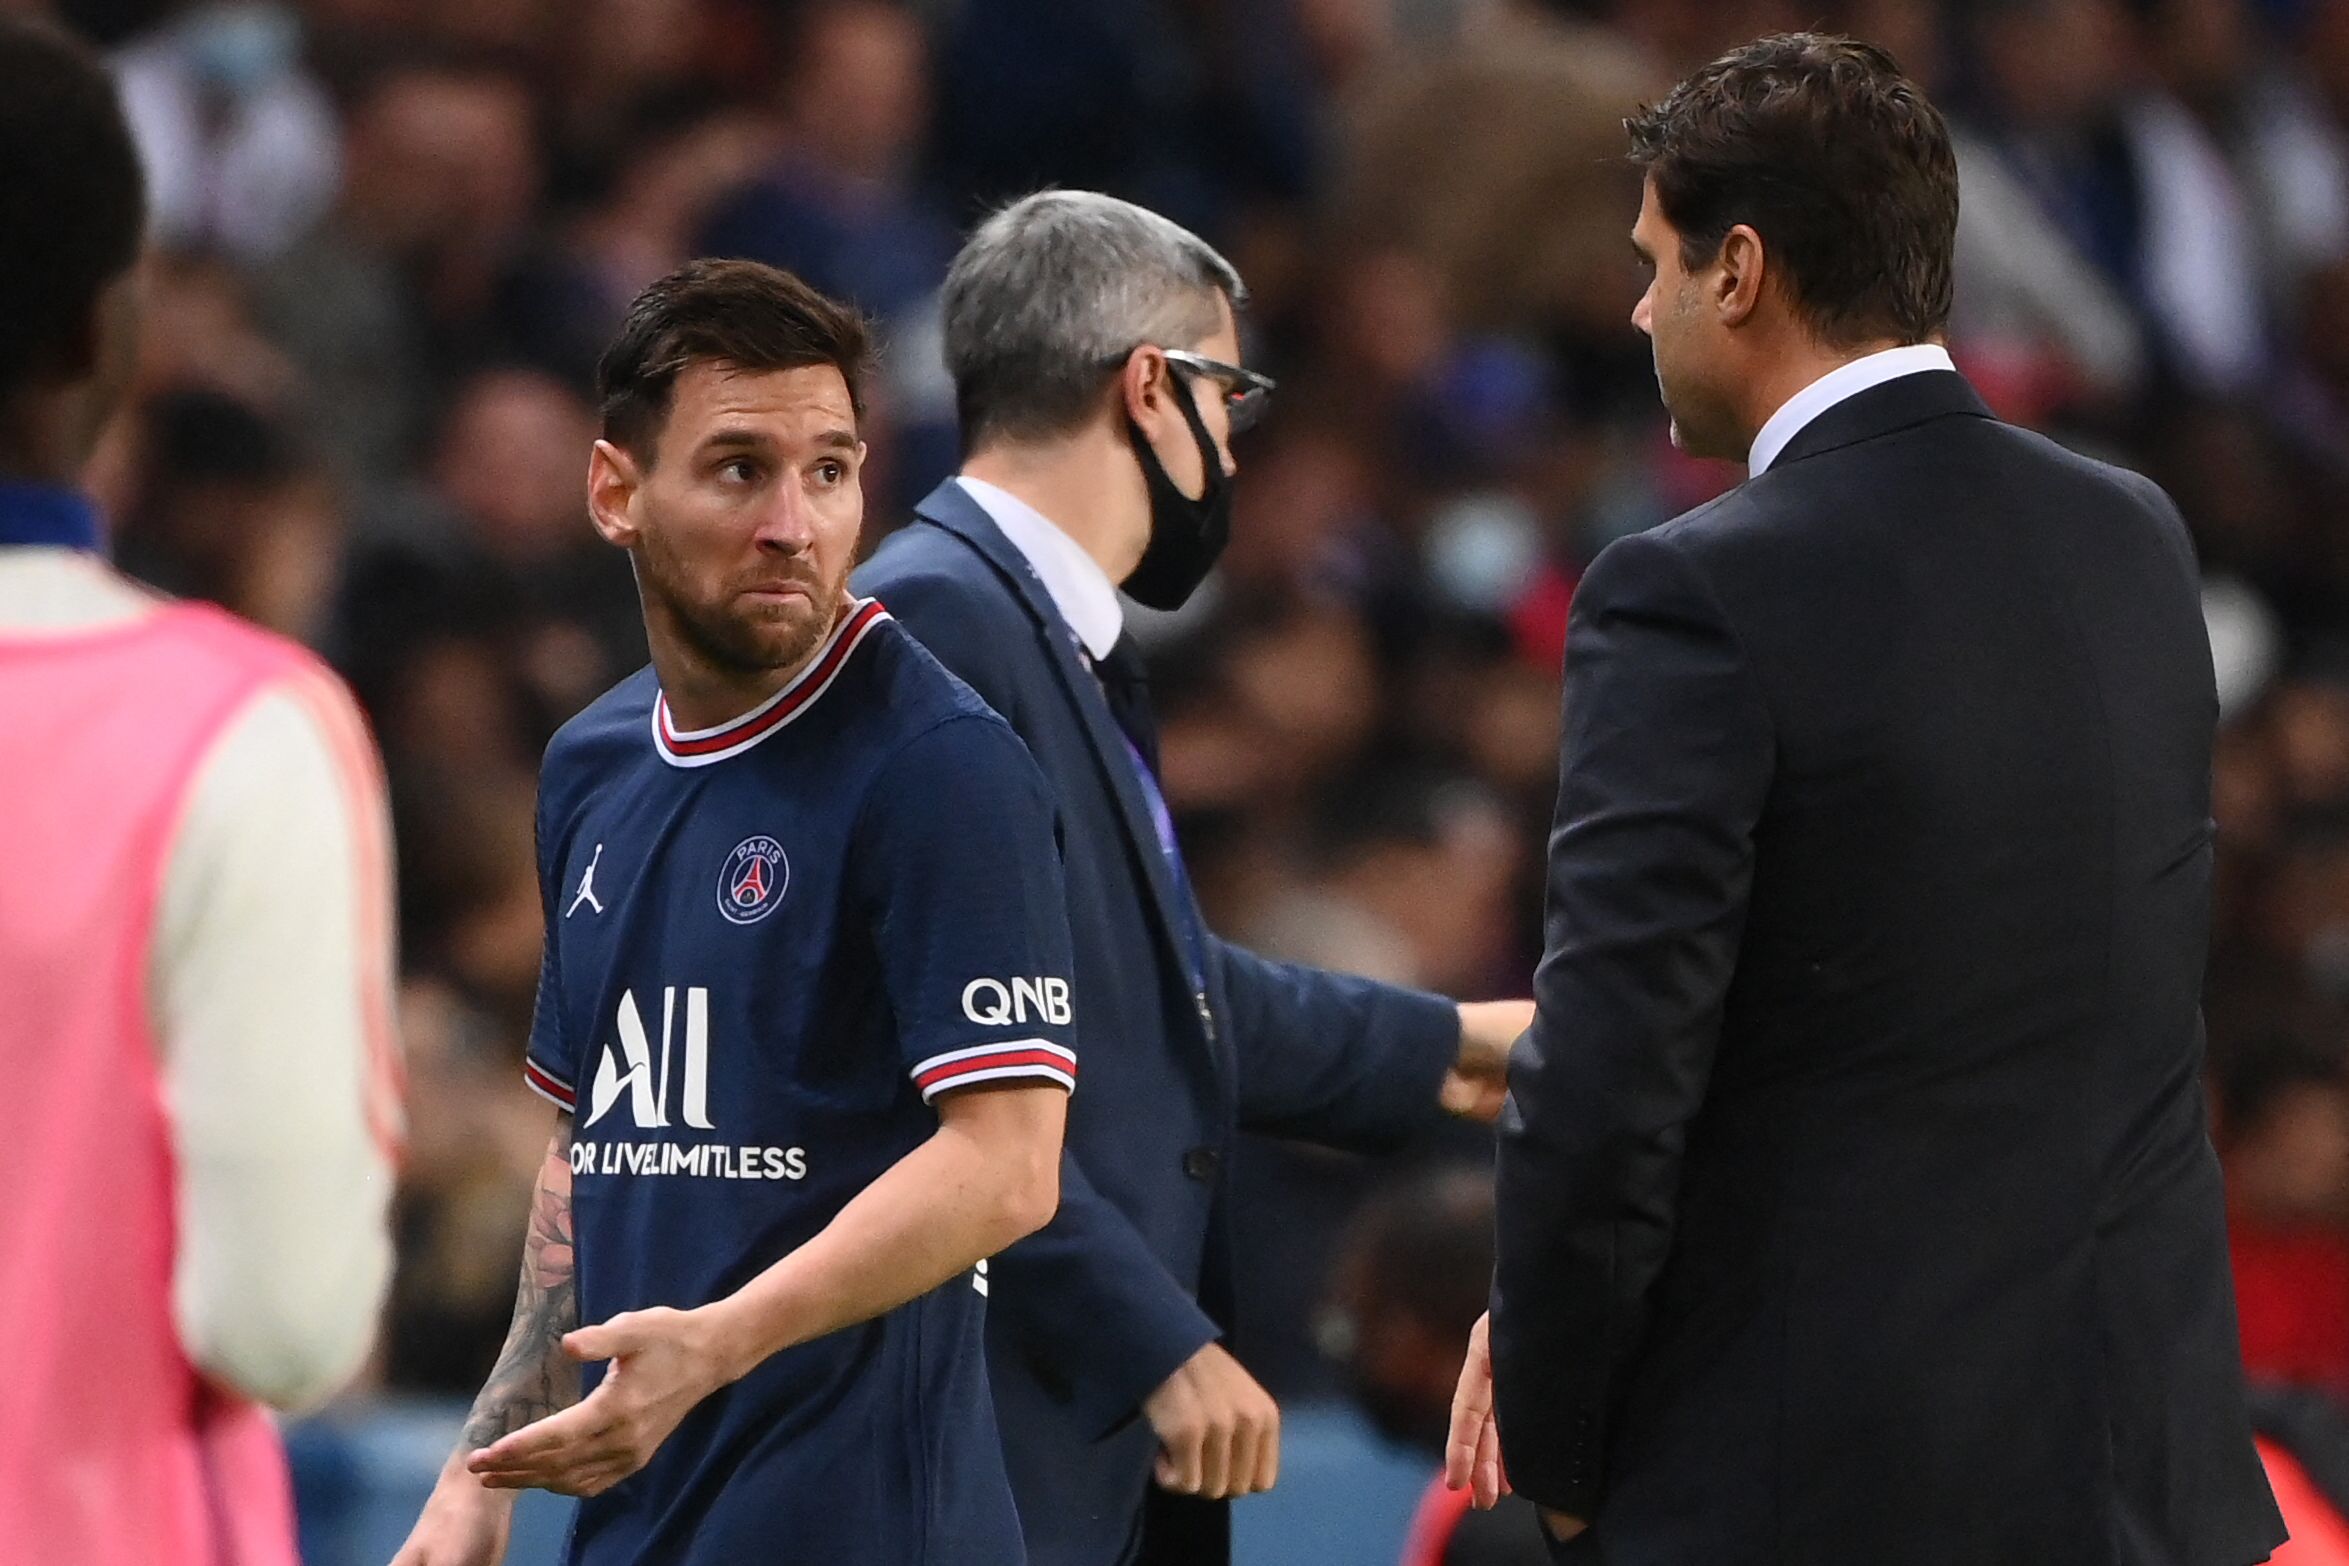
787, 524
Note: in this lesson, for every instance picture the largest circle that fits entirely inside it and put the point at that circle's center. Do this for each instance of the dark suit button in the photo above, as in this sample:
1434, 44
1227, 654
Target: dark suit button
1200, 1163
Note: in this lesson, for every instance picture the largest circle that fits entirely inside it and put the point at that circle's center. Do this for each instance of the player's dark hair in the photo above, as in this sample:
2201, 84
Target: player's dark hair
73, 201
742, 314
1835, 158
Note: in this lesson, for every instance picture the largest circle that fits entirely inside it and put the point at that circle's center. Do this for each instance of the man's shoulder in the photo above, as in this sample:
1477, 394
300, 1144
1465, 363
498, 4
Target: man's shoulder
1687, 543
952, 600
1995, 457
913, 690
923, 729
604, 731
1699, 526
1947, 468
930, 560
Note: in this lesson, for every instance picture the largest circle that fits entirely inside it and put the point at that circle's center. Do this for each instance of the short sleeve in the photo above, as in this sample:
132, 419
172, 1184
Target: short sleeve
957, 863
547, 1066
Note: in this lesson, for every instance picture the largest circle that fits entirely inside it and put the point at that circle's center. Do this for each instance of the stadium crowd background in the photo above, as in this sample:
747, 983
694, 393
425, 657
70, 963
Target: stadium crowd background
394, 234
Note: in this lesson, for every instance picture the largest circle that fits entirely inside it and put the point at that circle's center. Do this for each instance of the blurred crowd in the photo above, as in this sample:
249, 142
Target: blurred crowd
394, 234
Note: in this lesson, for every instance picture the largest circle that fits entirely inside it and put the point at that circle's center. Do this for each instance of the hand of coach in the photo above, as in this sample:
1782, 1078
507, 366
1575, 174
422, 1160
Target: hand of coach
1472, 1453
1218, 1430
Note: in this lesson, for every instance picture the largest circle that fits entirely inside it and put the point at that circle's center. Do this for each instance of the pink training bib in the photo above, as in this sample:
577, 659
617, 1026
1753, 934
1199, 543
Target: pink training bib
113, 1450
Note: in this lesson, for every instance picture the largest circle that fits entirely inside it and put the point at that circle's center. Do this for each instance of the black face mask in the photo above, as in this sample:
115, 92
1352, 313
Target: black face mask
1186, 535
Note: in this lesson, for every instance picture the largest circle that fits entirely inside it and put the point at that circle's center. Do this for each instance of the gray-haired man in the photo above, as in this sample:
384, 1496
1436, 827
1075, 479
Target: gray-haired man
1095, 356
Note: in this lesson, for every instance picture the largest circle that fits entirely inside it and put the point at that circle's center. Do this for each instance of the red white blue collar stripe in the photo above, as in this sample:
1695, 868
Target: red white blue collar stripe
700, 747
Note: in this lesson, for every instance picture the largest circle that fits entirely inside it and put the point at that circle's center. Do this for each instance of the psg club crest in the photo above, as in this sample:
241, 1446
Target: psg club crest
751, 886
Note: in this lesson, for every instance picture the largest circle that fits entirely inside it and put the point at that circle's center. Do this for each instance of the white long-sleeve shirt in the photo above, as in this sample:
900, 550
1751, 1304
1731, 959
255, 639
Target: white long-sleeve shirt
271, 975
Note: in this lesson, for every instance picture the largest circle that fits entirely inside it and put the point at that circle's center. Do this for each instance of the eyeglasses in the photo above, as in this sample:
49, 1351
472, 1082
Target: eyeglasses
1245, 392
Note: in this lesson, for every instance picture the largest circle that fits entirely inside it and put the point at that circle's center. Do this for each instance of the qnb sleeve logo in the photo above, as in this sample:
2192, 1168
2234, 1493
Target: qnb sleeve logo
752, 883
994, 1004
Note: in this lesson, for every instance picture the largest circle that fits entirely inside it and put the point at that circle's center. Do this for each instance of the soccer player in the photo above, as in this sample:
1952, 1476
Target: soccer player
804, 1008
195, 948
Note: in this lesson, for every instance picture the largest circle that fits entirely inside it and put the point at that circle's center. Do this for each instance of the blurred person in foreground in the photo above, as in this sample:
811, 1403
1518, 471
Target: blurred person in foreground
1095, 351
1856, 1202
195, 948
804, 1008
2284, 1123
1411, 1277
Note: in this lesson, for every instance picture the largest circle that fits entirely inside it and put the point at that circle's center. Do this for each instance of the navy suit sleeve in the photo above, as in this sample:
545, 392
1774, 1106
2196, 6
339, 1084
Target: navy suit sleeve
1667, 763
1097, 1314
1347, 1062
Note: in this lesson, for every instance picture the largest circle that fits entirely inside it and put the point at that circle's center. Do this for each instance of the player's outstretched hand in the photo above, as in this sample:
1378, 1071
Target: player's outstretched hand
1219, 1433
1472, 1457
462, 1524
663, 1362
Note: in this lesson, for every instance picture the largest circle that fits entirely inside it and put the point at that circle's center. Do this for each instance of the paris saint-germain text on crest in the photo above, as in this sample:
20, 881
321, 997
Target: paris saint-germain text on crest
751, 885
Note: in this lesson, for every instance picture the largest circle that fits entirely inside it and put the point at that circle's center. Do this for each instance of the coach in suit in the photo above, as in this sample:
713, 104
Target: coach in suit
1096, 365
1856, 1205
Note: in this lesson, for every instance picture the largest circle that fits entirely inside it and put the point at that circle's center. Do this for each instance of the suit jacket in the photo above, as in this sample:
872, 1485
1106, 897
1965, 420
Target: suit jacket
1856, 1201
1088, 1316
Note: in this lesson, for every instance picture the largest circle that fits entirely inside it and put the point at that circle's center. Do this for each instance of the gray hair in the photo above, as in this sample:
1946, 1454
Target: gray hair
1052, 291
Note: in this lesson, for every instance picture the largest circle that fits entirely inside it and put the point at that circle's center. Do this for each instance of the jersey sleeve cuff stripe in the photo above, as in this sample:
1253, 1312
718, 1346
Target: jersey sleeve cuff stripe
1035, 1046
547, 1085
995, 1062
1042, 1069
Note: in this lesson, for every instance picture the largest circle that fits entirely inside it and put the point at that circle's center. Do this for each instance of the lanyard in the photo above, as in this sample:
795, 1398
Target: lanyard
1162, 820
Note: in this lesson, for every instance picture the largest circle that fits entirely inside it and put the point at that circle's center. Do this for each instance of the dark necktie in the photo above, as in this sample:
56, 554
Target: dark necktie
1125, 680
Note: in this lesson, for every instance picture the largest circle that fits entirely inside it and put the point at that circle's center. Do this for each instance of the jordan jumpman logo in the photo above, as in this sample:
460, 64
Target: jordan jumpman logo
587, 887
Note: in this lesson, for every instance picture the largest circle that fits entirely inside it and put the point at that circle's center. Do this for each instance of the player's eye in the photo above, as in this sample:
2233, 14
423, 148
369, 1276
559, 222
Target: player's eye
738, 470
830, 473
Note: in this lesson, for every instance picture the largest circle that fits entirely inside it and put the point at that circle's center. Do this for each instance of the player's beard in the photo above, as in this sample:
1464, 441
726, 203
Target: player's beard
741, 635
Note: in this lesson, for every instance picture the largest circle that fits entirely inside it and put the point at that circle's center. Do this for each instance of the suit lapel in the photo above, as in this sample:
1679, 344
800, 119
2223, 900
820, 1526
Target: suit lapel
950, 506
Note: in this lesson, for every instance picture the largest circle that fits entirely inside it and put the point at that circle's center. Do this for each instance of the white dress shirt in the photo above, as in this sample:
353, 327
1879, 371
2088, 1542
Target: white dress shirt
1837, 385
267, 982
1079, 588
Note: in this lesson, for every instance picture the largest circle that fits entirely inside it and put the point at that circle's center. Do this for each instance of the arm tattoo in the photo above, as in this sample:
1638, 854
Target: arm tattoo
534, 1378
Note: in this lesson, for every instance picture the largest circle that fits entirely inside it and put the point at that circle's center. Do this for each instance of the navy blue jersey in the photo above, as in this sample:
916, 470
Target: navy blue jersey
769, 946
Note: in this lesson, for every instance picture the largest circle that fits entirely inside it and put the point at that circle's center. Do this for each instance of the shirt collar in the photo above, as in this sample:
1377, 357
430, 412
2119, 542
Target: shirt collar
700, 747
1080, 589
1837, 385
45, 514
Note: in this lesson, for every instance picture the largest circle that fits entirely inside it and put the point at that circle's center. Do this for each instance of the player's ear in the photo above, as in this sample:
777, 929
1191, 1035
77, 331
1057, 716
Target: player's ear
1738, 274
612, 481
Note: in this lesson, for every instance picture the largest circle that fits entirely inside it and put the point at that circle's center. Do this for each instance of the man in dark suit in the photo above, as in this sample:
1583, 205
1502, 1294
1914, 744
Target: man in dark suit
1856, 1205
1096, 364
